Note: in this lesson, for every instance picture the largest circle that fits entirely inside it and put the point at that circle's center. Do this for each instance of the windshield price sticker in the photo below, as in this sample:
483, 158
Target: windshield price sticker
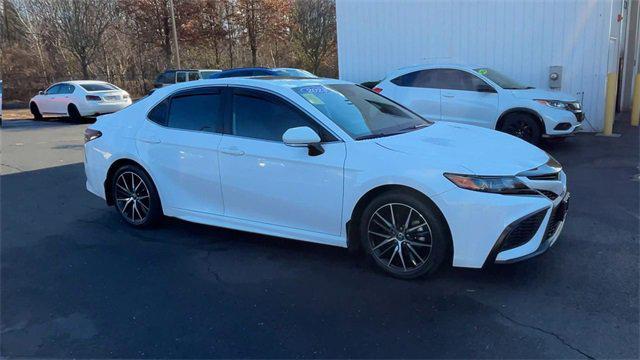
316, 89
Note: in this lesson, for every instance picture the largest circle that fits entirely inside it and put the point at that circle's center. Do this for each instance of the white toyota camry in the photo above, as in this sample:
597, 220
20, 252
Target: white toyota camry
79, 98
331, 162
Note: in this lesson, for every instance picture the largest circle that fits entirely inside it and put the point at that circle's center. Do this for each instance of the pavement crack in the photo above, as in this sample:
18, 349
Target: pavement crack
558, 337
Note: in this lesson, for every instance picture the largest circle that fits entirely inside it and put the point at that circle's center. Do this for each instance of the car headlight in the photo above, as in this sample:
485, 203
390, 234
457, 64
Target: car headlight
491, 184
553, 103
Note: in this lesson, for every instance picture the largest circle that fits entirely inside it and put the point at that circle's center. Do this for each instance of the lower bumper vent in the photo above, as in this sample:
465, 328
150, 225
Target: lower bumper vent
523, 231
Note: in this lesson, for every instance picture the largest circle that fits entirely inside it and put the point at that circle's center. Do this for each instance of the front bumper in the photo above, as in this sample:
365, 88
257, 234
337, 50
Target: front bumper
544, 238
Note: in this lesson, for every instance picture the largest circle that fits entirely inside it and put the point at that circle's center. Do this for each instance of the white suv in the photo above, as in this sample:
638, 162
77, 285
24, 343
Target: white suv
482, 96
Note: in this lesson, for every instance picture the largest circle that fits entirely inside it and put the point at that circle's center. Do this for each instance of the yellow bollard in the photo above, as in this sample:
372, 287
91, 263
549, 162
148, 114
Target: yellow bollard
635, 107
610, 103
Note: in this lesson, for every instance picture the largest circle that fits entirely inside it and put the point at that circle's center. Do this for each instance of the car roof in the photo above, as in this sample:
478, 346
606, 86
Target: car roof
411, 68
263, 82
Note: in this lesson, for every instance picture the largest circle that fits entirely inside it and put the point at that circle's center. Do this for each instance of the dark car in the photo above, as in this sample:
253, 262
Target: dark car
262, 71
172, 76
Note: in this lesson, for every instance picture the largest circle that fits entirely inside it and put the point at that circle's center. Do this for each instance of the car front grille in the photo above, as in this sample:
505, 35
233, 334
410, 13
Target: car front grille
550, 194
553, 176
523, 231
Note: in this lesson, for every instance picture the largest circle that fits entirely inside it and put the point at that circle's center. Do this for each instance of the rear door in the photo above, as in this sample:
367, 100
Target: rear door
461, 100
418, 91
180, 143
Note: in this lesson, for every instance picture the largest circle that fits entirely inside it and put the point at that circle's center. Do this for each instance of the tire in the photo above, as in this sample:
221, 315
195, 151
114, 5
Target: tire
37, 116
523, 126
141, 208
74, 114
423, 248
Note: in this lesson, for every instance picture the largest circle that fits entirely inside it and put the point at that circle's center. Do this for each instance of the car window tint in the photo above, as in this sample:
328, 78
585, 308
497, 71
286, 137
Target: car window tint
453, 79
422, 78
98, 87
169, 77
182, 77
53, 90
159, 113
264, 116
194, 75
67, 89
200, 112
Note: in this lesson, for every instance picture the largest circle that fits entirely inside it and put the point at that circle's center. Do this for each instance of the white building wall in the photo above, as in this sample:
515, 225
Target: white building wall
519, 38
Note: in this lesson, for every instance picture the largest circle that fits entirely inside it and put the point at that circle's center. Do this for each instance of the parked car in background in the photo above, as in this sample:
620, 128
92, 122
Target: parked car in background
173, 76
484, 97
263, 71
79, 98
208, 73
331, 162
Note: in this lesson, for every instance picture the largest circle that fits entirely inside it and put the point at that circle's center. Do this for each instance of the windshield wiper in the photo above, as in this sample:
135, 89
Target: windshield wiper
372, 136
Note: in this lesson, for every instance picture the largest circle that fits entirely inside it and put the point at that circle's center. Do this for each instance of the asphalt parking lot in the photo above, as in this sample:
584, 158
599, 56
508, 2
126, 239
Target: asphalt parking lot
78, 282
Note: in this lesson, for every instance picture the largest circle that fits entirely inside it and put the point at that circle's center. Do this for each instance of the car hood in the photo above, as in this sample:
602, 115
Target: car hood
533, 94
481, 151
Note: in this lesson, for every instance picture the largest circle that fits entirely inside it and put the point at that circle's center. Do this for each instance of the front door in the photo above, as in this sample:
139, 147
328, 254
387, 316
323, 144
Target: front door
461, 100
180, 143
266, 181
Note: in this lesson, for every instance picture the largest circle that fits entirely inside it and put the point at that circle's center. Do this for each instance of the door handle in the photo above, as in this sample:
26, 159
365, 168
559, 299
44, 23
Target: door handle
150, 140
232, 151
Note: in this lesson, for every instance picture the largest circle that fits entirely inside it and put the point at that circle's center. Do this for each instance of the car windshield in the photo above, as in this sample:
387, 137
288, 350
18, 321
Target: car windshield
501, 80
294, 73
361, 113
98, 87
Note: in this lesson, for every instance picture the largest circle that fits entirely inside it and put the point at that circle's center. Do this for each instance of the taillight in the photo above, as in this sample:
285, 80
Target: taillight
93, 98
377, 90
90, 134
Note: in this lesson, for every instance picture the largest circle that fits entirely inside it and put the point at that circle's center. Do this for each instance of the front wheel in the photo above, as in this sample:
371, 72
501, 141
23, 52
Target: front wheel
136, 197
37, 116
404, 235
523, 126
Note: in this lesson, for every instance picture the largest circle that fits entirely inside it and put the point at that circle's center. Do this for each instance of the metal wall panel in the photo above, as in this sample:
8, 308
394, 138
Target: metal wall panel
519, 38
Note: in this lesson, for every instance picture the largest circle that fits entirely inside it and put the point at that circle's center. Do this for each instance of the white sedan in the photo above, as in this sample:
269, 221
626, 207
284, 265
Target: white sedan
482, 96
330, 162
80, 98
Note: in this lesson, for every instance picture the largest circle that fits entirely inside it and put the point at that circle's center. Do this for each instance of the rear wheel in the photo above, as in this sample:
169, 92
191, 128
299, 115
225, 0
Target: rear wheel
74, 113
404, 236
136, 197
37, 116
522, 125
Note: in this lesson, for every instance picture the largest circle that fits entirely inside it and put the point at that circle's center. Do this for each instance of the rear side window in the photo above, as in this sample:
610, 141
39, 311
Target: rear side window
159, 113
264, 116
194, 75
66, 89
181, 77
422, 79
199, 112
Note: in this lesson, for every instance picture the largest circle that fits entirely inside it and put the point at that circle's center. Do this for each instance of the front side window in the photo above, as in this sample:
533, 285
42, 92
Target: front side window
55, 89
263, 116
361, 113
452, 79
421, 79
169, 77
501, 80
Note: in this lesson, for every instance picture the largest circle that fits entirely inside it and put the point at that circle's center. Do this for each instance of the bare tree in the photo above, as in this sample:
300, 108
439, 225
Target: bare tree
314, 31
81, 26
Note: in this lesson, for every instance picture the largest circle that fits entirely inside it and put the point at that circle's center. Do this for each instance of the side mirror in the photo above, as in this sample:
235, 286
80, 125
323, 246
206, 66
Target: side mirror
40, 92
303, 136
485, 88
